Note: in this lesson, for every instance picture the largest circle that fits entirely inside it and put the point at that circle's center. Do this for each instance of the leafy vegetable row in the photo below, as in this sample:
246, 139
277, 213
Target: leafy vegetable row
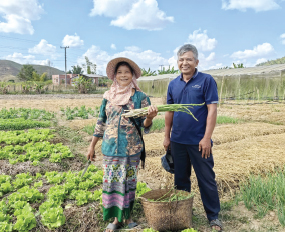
81, 112
21, 136
21, 124
35, 152
26, 114
17, 204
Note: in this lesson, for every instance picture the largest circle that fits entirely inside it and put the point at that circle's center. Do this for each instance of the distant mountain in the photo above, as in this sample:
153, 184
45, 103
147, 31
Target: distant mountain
271, 62
10, 69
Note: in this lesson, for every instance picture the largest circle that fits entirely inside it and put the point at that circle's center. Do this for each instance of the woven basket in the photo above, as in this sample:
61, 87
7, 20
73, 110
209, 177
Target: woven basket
161, 216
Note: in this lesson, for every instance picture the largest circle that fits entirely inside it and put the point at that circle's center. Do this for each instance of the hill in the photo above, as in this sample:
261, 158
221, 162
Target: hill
271, 62
10, 69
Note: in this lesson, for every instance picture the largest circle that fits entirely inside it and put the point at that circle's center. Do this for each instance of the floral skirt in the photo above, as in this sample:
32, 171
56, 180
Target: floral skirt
119, 186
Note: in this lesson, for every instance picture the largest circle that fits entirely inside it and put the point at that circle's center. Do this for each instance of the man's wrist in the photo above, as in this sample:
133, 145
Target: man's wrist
205, 137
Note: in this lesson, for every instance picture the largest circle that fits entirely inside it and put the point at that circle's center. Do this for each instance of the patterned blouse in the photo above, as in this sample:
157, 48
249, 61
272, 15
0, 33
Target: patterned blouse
120, 136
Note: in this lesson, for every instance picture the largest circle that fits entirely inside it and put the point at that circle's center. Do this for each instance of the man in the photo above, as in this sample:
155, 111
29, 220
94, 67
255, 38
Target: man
190, 141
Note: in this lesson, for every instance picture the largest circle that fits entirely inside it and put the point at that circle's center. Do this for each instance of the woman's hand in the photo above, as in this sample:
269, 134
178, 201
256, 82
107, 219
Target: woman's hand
91, 154
152, 112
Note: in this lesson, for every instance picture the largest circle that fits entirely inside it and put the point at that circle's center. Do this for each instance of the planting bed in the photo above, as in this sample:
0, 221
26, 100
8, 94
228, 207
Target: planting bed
254, 145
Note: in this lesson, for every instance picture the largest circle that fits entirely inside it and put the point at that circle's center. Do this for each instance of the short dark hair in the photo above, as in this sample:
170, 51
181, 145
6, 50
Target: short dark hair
124, 63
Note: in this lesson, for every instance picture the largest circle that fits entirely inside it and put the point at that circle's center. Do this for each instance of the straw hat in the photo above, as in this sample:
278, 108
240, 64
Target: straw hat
110, 70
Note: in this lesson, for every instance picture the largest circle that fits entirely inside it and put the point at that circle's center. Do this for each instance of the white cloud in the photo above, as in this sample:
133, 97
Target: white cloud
202, 41
18, 15
261, 60
29, 59
211, 57
16, 24
113, 46
133, 48
216, 66
145, 59
264, 49
144, 14
283, 38
132, 14
243, 5
43, 48
72, 41
111, 8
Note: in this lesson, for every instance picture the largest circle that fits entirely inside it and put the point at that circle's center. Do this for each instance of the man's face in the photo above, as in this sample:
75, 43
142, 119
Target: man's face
187, 63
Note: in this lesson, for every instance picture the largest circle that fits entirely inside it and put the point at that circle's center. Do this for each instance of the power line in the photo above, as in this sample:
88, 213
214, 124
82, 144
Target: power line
24, 40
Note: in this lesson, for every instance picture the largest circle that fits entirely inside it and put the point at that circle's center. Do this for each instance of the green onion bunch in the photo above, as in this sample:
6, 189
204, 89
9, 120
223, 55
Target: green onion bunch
162, 108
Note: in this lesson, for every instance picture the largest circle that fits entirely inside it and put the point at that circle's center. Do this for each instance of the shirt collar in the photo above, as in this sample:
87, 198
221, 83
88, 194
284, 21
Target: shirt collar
193, 77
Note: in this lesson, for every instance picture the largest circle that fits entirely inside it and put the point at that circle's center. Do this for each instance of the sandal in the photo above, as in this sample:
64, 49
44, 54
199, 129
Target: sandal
113, 227
216, 222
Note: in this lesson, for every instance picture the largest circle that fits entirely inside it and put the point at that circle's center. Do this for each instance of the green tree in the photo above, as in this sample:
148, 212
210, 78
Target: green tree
148, 72
76, 70
26, 72
168, 71
83, 85
89, 66
35, 76
238, 65
43, 77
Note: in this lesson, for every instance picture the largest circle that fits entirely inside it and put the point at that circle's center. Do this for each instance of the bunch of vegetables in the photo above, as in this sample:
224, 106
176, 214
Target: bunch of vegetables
162, 108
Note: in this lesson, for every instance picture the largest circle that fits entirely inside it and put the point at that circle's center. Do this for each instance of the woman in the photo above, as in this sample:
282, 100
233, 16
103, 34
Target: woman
121, 144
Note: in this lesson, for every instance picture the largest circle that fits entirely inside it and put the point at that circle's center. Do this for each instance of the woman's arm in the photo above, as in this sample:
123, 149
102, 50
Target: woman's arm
91, 150
152, 112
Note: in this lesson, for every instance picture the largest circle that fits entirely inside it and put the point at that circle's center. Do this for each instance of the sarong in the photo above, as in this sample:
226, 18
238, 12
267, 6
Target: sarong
119, 186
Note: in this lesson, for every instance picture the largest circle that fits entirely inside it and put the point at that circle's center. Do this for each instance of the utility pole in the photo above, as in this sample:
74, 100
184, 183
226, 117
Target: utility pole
65, 61
161, 67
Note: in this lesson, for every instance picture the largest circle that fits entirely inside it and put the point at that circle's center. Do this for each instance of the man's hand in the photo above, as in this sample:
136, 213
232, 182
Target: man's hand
166, 143
206, 147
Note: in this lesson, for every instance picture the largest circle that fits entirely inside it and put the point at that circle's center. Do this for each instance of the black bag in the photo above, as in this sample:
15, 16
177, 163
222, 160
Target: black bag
143, 155
167, 161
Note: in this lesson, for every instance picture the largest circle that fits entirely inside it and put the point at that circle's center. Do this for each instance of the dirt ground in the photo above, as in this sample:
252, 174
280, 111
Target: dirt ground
253, 146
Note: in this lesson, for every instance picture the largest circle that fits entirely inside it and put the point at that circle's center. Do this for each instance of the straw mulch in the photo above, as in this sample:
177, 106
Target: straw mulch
234, 162
234, 132
259, 112
79, 124
222, 134
54, 104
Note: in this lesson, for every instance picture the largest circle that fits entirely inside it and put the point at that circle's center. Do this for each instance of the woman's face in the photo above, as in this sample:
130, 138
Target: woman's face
124, 75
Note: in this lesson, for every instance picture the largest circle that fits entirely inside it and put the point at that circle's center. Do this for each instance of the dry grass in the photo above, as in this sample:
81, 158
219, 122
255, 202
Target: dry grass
260, 112
235, 132
234, 161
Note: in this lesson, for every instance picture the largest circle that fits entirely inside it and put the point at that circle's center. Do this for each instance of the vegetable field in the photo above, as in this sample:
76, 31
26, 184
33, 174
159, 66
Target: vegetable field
43, 142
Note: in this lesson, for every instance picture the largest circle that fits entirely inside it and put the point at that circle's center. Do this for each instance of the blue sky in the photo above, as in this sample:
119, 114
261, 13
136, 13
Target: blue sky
147, 31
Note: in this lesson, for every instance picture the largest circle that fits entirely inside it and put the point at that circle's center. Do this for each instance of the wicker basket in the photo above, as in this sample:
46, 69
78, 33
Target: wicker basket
161, 216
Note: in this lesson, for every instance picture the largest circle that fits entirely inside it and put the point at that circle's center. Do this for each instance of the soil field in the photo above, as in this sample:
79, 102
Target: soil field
253, 146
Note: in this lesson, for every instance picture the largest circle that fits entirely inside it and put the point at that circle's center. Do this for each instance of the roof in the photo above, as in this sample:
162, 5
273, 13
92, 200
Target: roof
92, 75
225, 72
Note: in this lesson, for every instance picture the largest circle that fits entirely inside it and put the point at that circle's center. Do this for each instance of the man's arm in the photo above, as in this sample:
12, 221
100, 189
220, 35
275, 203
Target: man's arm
168, 126
205, 143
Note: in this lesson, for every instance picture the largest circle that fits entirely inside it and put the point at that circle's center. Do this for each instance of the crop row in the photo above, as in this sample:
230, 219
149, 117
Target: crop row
21, 124
21, 136
81, 112
26, 114
67, 186
35, 152
18, 203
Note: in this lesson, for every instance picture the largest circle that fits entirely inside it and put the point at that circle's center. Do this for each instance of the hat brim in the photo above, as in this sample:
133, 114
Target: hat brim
110, 70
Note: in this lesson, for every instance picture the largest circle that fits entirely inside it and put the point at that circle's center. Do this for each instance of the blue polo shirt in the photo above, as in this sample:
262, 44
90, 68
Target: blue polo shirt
200, 88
